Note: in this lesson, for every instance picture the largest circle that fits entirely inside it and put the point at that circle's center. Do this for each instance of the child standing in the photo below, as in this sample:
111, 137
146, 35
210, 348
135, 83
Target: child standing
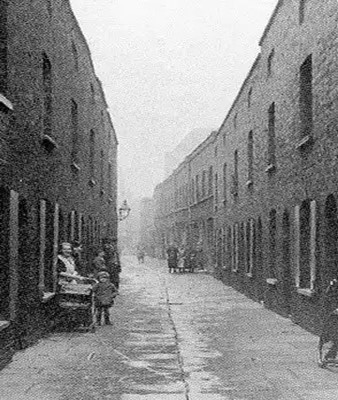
104, 294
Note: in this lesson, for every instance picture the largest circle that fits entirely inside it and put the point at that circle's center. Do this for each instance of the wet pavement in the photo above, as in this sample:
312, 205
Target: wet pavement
174, 337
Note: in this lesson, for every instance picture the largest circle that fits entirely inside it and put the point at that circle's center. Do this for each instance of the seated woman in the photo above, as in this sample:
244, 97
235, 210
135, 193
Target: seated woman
66, 266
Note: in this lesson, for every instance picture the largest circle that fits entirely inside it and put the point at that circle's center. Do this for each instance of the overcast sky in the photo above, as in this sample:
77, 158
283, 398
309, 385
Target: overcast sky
167, 67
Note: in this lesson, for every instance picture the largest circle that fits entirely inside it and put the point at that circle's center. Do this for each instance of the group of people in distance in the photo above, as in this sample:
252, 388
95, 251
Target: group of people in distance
184, 259
106, 270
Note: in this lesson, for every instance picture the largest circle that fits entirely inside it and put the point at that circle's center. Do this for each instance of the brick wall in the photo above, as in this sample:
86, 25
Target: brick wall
55, 193
303, 168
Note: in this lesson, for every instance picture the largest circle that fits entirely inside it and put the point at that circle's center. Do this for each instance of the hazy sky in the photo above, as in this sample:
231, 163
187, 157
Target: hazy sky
167, 67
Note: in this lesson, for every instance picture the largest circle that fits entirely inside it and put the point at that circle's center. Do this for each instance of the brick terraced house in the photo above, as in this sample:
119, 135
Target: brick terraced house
273, 170
58, 177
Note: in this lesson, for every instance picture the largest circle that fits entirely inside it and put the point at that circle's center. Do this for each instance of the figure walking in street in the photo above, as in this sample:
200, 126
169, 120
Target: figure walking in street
172, 256
104, 295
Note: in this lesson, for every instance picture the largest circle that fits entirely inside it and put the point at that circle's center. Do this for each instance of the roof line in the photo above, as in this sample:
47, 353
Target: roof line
241, 90
268, 26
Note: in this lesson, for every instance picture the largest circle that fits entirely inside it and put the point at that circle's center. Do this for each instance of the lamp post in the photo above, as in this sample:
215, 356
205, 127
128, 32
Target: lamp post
124, 211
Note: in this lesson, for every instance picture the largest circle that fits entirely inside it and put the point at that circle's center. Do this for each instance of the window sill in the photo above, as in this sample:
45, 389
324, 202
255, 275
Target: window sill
270, 168
49, 143
4, 325
234, 270
305, 142
249, 274
5, 103
305, 292
47, 296
92, 182
75, 167
271, 281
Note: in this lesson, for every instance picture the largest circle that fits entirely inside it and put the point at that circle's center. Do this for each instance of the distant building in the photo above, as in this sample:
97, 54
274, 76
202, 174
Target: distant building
173, 158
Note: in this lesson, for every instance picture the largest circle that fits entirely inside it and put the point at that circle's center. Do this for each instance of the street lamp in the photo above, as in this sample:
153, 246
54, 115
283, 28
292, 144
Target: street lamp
124, 210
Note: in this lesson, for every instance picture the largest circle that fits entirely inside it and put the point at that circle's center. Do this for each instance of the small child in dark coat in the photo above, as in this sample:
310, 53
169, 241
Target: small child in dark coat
104, 295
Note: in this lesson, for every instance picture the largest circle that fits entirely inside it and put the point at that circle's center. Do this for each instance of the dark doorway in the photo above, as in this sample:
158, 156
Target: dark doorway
330, 269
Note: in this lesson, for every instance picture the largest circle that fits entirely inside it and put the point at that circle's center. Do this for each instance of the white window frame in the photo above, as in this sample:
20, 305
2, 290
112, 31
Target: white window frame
308, 291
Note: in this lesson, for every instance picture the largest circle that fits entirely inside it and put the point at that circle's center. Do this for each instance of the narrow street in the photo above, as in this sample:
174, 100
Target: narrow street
174, 337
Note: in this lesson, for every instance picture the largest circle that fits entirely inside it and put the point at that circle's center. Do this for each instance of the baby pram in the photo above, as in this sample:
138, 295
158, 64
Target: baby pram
76, 305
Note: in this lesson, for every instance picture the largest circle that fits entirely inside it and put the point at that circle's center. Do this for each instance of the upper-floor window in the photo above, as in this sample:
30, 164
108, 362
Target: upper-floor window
235, 176
235, 121
250, 157
49, 7
192, 191
110, 180
216, 151
216, 191
47, 94
102, 172
270, 62
305, 97
225, 183
272, 242
197, 188
3, 47
204, 178
211, 176
249, 97
75, 56
92, 154
75, 131
271, 136
301, 13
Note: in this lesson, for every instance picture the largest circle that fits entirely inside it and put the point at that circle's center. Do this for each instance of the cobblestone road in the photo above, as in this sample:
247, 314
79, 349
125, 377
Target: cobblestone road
174, 337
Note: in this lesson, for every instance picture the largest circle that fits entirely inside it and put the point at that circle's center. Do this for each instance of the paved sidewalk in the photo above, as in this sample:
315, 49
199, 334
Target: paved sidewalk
174, 337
